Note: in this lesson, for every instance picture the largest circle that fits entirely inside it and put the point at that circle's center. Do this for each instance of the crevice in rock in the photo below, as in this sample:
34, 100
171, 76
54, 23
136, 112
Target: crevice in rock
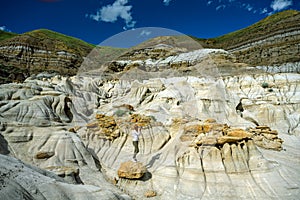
204, 174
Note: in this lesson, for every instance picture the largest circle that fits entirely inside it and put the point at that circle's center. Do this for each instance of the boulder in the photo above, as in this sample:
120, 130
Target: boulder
150, 193
44, 154
132, 170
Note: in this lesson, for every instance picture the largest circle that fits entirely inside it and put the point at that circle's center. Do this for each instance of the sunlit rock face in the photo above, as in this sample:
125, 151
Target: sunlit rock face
40, 51
208, 130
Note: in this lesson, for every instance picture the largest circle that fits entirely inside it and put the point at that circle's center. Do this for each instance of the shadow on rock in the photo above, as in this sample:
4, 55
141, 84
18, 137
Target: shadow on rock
3, 146
95, 157
147, 176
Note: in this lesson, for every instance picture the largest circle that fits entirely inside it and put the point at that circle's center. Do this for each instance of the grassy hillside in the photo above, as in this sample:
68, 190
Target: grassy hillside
6, 35
29, 61
284, 20
61, 41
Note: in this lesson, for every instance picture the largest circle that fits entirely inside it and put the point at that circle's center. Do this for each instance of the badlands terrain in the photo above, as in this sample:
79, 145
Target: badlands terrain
218, 120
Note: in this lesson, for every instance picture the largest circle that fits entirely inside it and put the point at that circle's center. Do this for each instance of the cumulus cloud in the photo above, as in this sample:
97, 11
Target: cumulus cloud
209, 2
278, 5
167, 2
4, 28
111, 13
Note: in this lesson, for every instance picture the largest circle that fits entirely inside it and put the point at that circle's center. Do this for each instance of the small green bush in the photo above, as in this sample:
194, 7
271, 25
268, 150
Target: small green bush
120, 113
265, 85
153, 118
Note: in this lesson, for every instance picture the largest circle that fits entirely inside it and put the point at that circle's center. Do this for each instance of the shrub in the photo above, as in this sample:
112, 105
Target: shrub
265, 85
120, 113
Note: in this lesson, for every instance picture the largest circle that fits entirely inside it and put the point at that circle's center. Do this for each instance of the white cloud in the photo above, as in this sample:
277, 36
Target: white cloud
278, 5
145, 33
263, 11
111, 13
248, 7
209, 2
4, 28
220, 6
167, 2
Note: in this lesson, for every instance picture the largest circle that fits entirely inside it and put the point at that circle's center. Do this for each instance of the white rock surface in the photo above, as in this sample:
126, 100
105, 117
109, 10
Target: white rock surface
44, 123
21, 181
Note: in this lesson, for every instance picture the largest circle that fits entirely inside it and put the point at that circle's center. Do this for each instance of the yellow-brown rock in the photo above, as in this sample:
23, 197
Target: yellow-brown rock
228, 139
150, 193
263, 128
193, 129
208, 140
238, 133
105, 127
210, 120
132, 170
43, 155
207, 127
266, 138
140, 120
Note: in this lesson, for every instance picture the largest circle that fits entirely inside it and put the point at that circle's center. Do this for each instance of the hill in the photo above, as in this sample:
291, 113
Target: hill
40, 50
6, 35
271, 41
61, 41
277, 23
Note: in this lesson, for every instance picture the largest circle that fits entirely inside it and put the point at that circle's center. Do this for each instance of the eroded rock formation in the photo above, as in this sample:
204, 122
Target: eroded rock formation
209, 130
40, 51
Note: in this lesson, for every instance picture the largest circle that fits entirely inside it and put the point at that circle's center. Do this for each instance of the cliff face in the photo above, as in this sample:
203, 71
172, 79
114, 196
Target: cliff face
271, 41
273, 50
39, 51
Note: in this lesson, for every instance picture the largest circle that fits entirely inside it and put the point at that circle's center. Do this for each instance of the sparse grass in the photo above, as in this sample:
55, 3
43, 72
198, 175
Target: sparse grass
61, 41
258, 27
120, 113
6, 35
279, 21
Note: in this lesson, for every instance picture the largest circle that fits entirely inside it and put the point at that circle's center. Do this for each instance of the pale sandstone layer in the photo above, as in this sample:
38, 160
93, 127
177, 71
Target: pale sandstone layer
196, 141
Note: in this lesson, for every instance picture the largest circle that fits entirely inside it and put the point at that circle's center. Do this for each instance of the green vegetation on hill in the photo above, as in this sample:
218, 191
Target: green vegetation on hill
61, 41
259, 27
6, 35
284, 20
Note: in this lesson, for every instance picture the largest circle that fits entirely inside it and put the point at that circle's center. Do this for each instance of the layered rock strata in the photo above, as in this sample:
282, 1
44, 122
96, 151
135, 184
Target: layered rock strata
40, 51
79, 128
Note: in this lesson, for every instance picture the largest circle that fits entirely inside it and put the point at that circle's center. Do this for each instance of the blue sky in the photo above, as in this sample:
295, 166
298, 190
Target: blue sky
96, 20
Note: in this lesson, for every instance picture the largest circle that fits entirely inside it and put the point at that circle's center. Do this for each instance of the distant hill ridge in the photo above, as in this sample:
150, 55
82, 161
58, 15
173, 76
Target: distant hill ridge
273, 40
40, 50
6, 35
277, 23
